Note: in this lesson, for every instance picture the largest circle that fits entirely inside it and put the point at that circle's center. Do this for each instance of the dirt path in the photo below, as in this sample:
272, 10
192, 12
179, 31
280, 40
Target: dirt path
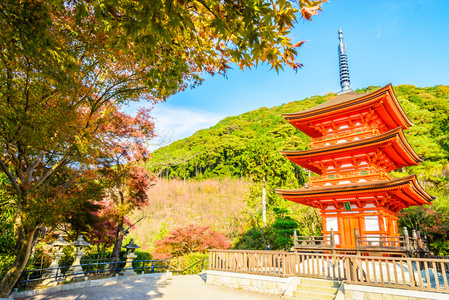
187, 287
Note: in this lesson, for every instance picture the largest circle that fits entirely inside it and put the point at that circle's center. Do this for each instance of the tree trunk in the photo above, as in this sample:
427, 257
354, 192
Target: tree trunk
264, 203
24, 243
118, 243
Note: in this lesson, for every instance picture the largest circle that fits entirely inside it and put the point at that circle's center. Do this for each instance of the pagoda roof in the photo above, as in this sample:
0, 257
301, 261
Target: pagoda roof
406, 189
393, 142
384, 100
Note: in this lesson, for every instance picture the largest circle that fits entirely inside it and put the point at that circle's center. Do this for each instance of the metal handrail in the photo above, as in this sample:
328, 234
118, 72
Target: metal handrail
191, 266
64, 271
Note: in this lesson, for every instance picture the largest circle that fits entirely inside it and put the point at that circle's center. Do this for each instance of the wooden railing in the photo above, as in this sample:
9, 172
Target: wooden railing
314, 242
362, 173
406, 273
406, 245
403, 273
364, 132
278, 263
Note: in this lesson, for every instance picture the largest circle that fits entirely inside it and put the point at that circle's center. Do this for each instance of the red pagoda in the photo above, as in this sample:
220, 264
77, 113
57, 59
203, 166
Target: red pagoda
356, 139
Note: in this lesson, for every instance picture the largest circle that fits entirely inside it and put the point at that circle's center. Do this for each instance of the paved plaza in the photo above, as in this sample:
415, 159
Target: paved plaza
186, 287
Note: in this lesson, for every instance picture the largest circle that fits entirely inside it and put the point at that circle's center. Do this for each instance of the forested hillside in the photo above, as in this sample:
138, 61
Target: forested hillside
246, 146
220, 150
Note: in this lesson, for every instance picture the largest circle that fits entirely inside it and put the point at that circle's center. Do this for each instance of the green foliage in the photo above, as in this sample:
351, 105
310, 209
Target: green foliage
181, 263
223, 150
220, 150
7, 238
6, 261
252, 239
283, 227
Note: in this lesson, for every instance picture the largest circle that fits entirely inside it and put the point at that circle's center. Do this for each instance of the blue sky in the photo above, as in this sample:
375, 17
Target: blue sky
397, 41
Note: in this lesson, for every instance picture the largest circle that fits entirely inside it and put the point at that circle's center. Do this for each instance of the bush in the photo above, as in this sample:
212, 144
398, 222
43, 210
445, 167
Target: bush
181, 263
183, 241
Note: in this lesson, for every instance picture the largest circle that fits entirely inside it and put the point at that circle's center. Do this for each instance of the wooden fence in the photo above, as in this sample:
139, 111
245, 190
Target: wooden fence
414, 245
394, 272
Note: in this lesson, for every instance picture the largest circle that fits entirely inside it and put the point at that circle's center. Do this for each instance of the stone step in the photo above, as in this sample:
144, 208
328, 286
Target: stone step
321, 282
312, 295
316, 288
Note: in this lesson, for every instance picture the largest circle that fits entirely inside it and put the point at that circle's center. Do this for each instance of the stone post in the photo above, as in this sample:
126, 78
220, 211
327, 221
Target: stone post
419, 241
76, 269
295, 238
357, 241
415, 240
54, 271
332, 244
407, 242
130, 256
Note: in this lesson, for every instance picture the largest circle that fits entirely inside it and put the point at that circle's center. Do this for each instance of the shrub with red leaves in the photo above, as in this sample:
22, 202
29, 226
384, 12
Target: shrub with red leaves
189, 239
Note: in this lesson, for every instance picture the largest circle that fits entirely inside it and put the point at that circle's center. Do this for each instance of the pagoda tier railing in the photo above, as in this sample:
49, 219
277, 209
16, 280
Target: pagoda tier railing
349, 136
372, 174
404, 245
393, 272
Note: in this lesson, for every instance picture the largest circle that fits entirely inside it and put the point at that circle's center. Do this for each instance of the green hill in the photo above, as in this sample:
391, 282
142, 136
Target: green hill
231, 149
246, 146
217, 151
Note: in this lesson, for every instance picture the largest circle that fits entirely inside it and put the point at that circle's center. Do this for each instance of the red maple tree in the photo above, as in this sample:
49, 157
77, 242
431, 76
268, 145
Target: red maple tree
189, 239
124, 151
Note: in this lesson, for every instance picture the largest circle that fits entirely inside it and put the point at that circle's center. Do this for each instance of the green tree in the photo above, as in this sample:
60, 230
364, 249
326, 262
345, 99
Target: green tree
263, 164
284, 226
68, 64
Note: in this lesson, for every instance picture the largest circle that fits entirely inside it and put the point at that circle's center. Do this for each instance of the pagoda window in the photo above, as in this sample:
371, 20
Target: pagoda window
372, 223
364, 172
344, 182
332, 224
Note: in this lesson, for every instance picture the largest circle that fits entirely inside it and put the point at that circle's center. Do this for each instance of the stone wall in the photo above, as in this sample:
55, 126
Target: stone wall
286, 286
363, 292
256, 283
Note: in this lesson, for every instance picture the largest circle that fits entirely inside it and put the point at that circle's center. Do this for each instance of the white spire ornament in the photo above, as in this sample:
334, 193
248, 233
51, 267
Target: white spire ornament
344, 70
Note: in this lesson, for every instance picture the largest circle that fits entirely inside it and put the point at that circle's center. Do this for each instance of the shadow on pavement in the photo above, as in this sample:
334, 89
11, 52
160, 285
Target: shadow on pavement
203, 276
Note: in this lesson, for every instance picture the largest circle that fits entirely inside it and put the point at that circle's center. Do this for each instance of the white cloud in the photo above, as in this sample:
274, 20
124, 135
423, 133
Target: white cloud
173, 124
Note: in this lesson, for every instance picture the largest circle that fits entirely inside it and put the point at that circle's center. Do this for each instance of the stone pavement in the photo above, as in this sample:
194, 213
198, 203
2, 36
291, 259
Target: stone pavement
186, 287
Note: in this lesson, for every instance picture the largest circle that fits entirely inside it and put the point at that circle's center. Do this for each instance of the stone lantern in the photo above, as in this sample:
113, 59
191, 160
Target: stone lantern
130, 256
53, 271
76, 269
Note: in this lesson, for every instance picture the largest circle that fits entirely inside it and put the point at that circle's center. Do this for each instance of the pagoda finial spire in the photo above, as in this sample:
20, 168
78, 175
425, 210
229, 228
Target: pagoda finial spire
344, 70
